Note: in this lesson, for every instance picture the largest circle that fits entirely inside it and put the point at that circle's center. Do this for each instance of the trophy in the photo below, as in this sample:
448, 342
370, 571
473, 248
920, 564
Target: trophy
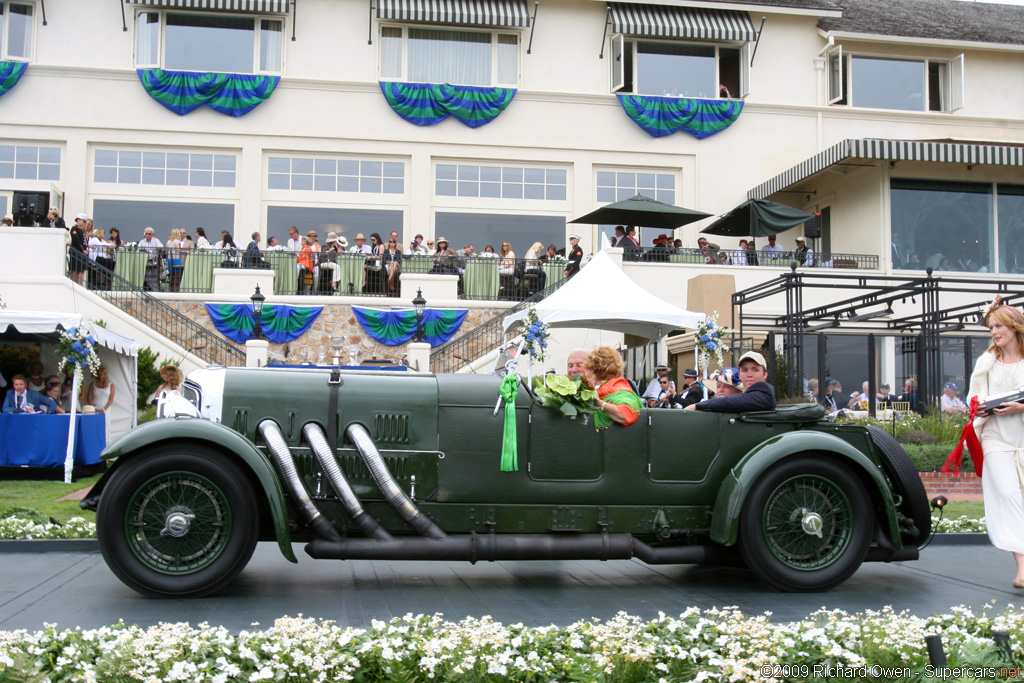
337, 343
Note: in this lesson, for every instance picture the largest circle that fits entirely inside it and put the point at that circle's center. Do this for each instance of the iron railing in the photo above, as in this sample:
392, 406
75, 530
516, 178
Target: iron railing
737, 257
160, 317
483, 338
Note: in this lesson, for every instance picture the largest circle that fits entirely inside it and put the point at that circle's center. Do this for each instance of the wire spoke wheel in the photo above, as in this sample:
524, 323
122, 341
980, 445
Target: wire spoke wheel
806, 524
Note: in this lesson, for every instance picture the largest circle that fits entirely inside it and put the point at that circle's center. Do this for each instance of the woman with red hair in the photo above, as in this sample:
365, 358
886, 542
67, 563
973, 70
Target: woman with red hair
1001, 431
615, 395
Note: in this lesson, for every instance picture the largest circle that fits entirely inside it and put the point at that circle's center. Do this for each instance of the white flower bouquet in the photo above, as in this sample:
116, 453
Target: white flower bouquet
77, 348
709, 341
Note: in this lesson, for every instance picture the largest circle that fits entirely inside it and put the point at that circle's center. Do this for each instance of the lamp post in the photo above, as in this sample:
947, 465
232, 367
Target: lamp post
257, 313
419, 304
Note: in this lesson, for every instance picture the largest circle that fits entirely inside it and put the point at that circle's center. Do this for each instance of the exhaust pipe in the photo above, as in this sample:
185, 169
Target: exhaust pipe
423, 525
360, 519
475, 547
283, 459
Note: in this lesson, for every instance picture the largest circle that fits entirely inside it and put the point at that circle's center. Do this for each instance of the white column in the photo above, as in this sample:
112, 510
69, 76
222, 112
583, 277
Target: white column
419, 356
256, 353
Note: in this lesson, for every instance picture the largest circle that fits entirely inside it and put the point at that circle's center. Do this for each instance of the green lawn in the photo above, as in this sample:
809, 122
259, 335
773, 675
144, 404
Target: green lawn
43, 495
974, 509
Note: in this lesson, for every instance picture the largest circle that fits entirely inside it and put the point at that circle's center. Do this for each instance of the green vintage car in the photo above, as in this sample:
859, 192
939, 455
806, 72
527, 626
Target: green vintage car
406, 466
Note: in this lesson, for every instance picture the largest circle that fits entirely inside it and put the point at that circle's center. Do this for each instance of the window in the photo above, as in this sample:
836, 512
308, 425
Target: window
133, 217
481, 229
500, 182
431, 55
674, 69
943, 225
329, 174
16, 28
184, 169
888, 83
327, 219
208, 42
614, 186
29, 162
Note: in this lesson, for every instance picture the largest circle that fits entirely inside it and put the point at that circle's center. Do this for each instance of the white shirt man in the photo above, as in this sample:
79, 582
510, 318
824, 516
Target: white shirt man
151, 244
654, 389
950, 402
294, 241
771, 249
417, 247
362, 245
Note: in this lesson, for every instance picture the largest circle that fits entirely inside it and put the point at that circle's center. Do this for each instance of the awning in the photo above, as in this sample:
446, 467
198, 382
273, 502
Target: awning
279, 6
682, 22
940, 151
474, 12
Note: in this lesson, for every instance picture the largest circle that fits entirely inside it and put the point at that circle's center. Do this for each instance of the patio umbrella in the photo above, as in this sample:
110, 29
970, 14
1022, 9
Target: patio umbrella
643, 212
758, 218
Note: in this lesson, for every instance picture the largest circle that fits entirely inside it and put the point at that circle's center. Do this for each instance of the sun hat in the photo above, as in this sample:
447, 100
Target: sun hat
754, 356
730, 376
660, 366
343, 241
360, 236
661, 239
311, 232
332, 237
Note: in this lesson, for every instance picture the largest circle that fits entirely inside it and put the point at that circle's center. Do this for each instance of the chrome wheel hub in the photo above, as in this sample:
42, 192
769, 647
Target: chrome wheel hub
811, 523
177, 523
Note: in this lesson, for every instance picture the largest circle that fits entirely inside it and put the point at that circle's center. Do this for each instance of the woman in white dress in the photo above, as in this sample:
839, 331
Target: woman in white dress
101, 391
1001, 432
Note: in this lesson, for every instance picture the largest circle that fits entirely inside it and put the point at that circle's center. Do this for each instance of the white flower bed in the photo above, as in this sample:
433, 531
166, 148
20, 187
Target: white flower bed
19, 528
960, 525
714, 645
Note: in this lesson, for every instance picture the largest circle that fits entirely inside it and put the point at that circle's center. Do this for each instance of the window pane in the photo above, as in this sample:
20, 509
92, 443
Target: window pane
278, 181
271, 42
390, 53
1011, 227
325, 167
348, 184
302, 166
152, 176
302, 182
394, 186
482, 229
105, 174
445, 188
369, 185
278, 165
345, 222
200, 179
676, 70
106, 157
457, 57
27, 154
177, 160
325, 183
223, 178
198, 42
147, 39
129, 176
392, 169
49, 172
49, 155
369, 168
132, 217
888, 83
348, 167
469, 172
533, 175
556, 192
446, 171
202, 162
944, 226
491, 190
19, 31
129, 159
490, 173
223, 162
508, 60
154, 160
177, 177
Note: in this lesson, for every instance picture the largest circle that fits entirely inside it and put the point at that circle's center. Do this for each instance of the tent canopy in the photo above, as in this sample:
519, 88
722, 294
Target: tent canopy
119, 354
602, 297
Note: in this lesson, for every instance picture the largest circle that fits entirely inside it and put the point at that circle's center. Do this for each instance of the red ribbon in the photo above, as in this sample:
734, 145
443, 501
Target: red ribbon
970, 439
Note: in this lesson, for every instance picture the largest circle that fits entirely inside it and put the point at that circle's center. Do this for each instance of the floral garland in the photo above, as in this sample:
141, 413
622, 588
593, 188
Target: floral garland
77, 347
709, 340
535, 334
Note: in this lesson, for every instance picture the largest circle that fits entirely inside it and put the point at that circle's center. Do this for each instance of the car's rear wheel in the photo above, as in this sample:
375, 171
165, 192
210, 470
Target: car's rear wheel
806, 524
179, 522
906, 482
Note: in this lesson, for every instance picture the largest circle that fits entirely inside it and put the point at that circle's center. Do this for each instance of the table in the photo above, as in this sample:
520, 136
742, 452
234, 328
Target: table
42, 440
417, 263
131, 266
555, 272
481, 279
198, 274
285, 265
352, 271
686, 258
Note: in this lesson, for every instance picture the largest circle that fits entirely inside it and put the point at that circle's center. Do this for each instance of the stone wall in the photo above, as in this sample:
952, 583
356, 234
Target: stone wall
335, 320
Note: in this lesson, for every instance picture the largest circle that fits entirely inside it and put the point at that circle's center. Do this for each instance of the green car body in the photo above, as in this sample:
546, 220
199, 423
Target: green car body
188, 495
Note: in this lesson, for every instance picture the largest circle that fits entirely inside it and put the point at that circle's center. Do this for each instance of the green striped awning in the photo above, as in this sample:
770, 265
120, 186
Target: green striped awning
280, 6
474, 12
939, 151
681, 22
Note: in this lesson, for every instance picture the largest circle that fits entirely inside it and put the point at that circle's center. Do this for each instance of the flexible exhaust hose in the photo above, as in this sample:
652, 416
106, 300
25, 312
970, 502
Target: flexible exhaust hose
270, 432
423, 525
365, 523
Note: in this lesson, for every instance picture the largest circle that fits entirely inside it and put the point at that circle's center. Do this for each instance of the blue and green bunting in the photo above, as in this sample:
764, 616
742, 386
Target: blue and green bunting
186, 91
428, 103
281, 323
10, 74
397, 326
660, 116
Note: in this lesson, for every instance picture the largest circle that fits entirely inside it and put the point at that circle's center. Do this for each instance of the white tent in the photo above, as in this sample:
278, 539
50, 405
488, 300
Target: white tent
602, 297
117, 353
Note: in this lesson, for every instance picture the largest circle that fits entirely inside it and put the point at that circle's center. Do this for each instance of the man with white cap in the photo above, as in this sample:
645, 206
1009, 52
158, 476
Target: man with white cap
575, 256
804, 254
759, 395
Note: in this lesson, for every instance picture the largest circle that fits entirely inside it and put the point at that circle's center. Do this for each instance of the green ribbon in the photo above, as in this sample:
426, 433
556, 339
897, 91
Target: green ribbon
509, 453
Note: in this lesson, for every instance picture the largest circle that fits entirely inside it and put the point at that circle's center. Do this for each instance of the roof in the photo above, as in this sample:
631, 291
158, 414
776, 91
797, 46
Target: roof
939, 151
957, 20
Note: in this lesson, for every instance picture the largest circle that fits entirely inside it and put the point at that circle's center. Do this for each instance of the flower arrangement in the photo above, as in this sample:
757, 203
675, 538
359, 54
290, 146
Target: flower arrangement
20, 527
571, 396
77, 348
709, 340
535, 333
713, 645
557, 258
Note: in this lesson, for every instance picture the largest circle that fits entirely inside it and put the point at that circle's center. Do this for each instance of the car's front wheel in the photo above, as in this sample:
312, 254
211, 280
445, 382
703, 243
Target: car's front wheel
806, 524
179, 522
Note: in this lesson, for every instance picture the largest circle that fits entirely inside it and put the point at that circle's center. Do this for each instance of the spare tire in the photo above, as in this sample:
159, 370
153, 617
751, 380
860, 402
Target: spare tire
906, 482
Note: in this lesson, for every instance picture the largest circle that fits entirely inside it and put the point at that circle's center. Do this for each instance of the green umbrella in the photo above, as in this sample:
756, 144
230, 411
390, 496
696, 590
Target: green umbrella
644, 212
758, 218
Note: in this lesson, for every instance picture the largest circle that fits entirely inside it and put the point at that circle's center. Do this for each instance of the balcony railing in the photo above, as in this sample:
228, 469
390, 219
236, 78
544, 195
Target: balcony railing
738, 257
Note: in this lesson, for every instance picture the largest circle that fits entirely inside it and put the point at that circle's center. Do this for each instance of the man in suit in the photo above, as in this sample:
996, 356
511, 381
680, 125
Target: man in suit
24, 400
897, 260
252, 257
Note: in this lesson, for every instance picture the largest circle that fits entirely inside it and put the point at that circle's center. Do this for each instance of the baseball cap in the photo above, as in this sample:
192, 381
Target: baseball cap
884, 386
754, 356
951, 385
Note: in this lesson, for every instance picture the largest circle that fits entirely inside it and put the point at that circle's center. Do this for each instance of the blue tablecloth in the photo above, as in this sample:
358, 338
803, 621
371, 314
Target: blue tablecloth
42, 440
